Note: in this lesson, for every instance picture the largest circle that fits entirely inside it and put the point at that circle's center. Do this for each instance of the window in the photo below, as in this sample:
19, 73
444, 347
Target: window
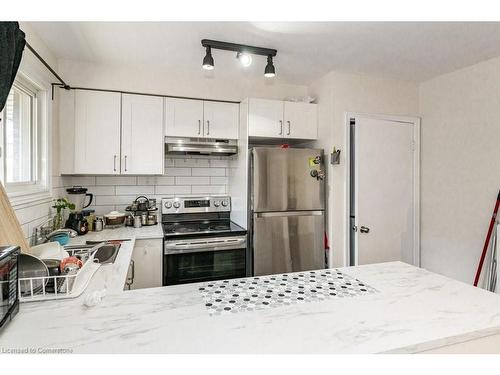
22, 151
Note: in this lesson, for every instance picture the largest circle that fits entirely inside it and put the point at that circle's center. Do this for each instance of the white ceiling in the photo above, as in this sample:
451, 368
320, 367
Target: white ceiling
306, 51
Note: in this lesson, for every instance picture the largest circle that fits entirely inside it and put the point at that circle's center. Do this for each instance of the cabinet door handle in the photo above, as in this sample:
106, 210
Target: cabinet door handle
281, 127
364, 229
199, 127
114, 163
208, 127
125, 163
288, 128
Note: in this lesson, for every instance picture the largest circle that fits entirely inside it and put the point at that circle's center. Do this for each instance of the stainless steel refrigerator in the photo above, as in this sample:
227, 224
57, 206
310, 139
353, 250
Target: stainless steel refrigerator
287, 209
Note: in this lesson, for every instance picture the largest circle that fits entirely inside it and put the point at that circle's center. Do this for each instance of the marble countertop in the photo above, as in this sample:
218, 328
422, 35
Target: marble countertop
142, 233
112, 277
411, 310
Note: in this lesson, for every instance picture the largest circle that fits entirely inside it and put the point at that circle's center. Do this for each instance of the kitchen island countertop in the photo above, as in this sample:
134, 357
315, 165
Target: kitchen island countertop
412, 310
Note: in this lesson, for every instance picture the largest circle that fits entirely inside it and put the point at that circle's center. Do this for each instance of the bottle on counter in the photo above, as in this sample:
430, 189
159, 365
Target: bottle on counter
98, 224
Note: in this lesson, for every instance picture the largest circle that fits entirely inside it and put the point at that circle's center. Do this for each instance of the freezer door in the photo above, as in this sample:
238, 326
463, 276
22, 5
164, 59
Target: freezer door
282, 180
288, 242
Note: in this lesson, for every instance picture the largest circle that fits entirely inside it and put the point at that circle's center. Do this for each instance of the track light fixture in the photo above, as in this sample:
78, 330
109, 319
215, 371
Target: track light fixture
243, 54
208, 60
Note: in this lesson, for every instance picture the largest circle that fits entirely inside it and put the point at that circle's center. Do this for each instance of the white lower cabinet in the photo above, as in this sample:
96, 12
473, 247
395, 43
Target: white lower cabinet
146, 265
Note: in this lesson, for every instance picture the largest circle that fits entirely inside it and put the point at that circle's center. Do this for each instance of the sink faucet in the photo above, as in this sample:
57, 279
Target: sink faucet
43, 233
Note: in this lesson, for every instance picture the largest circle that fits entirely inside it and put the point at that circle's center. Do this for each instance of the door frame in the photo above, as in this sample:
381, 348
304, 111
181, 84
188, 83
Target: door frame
415, 121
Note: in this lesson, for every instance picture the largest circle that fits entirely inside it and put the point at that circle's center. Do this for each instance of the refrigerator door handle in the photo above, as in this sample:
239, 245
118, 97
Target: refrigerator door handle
289, 213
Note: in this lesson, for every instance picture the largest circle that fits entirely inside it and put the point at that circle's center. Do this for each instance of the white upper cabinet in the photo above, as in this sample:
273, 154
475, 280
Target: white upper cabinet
97, 130
279, 119
300, 120
220, 120
201, 119
109, 133
265, 118
184, 117
142, 134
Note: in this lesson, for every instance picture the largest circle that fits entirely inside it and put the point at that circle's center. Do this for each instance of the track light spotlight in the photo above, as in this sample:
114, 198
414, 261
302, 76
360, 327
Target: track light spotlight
269, 72
208, 60
245, 59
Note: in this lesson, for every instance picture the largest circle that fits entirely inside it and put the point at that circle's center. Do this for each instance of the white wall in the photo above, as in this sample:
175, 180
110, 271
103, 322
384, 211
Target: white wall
337, 94
155, 81
460, 166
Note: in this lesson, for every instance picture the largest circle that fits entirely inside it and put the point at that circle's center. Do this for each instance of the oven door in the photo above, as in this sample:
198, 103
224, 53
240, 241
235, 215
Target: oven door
197, 260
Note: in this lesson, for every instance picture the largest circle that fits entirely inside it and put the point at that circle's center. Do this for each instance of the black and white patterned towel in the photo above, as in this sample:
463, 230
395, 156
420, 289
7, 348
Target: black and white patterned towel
255, 293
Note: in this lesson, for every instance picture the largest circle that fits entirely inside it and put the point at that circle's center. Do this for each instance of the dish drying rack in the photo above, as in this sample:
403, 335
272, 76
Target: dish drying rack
44, 288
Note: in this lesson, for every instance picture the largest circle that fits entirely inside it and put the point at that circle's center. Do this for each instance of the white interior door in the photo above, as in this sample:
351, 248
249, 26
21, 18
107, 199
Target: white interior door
383, 199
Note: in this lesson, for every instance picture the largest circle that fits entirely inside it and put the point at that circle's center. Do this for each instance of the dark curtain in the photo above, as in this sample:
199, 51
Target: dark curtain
12, 44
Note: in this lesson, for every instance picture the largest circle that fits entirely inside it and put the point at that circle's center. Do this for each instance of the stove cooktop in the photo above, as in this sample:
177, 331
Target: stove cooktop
197, 228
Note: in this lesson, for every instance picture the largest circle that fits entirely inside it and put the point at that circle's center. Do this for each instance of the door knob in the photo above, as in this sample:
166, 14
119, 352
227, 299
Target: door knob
364, 229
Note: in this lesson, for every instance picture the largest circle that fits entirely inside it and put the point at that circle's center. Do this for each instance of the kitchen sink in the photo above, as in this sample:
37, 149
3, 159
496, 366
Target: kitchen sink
104, 254
107, 253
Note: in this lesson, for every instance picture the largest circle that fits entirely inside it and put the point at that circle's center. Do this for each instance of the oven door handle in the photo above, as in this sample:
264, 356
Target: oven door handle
193, 246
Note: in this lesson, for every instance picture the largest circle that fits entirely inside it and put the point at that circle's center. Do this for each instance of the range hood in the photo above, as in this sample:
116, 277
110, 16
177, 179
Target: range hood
197, 146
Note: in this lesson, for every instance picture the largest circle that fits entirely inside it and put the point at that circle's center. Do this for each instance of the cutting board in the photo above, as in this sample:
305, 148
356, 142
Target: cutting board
10, 229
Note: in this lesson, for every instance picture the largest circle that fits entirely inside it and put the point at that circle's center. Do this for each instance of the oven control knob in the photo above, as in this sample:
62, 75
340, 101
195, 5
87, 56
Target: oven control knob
216, 203
168, 205
177, 204
224, 203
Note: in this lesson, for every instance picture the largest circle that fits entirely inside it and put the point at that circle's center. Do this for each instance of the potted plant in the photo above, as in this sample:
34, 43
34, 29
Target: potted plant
60, 204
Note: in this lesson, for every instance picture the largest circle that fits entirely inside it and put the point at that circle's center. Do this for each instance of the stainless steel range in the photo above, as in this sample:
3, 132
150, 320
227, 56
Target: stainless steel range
201, 243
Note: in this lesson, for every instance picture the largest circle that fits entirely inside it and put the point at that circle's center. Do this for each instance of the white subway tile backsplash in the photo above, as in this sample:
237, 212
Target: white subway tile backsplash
208, 171
137, 190
169, 162
192, 180
30, 213
108, 200
173, 189
103, 210
184, 175
211, 189
59, 192
101, 190
219, 163
178, 171
115, 180
57, 182
218, 180
165, 180
197, 163
83, 180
